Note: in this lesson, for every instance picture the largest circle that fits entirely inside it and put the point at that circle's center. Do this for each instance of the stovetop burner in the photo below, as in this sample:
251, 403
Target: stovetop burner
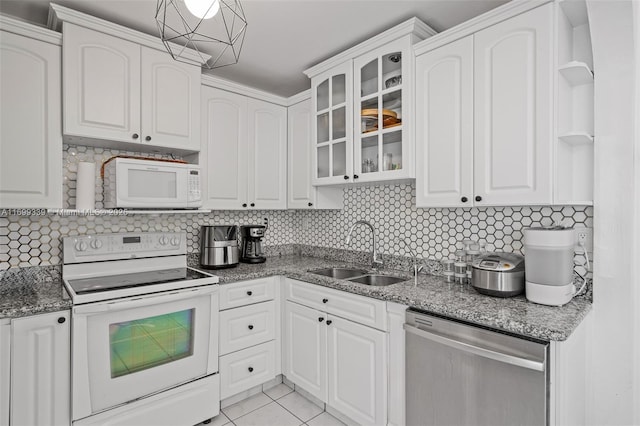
113, 282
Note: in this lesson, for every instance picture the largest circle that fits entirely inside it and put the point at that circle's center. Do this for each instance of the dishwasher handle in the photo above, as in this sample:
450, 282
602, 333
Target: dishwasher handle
476, 350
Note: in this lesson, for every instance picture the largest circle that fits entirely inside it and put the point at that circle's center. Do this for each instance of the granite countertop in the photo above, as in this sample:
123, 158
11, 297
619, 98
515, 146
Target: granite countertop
31, 291
35, 290
433, 294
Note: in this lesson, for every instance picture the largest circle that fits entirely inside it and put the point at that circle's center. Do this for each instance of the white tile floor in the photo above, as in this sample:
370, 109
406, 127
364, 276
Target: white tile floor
278, 406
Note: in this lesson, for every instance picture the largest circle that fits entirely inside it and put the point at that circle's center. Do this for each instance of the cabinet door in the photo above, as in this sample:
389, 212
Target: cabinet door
301, 194
513, 118
267, 155
101, 85
170, 101
41, 370
383, 145
332, 127
305, 352
223, 157
444, 126
30, 133
357, 370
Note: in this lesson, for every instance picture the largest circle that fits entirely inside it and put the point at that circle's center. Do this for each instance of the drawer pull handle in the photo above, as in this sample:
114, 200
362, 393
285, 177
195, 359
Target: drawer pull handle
249, 293
250, 369
320, 319
61, 320
325, 300
250, 327
329, 322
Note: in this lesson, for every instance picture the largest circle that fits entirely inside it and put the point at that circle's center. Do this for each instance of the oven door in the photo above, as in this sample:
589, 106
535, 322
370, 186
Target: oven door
150, 185
131, 348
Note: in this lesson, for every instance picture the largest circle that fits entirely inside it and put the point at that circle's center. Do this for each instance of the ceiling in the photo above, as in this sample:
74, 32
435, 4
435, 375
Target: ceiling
284, 37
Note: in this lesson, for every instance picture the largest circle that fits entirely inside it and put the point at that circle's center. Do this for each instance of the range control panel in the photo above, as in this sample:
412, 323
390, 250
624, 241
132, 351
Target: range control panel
99, 247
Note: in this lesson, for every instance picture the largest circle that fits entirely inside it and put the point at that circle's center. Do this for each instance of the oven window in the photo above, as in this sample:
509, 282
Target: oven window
152, 184
146, 343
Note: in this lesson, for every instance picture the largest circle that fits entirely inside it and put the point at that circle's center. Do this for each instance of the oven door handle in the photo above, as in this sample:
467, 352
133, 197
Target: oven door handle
142, 301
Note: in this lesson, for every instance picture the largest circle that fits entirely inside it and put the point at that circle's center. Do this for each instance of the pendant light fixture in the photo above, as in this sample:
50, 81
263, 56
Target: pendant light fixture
214, 28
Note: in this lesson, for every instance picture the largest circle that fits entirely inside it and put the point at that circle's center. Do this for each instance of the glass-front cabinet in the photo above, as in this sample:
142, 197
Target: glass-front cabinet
333, 128
382, 111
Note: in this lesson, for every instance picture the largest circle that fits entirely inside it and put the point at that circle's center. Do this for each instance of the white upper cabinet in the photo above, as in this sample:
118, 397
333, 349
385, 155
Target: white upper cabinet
301, 193
30, 133
484, 119
514, 110
383, 81
116, 90
244, 152
363, 109
444, 125
332, 126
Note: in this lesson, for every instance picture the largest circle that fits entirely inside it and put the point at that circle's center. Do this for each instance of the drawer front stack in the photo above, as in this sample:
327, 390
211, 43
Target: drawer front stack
247, 335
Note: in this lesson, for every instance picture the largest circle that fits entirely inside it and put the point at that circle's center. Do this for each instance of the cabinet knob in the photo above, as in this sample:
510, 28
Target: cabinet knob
148, 138
356, 176
244, 205
464, 199
329, 322
478, 198
249, 293
320, 319
346, 177
135, 136
250, 369
253, 204
310, 204
61, 320
325, 300
250, 327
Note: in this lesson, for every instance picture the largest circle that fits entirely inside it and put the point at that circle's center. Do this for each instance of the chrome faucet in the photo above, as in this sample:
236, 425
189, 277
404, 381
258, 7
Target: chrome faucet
376, 262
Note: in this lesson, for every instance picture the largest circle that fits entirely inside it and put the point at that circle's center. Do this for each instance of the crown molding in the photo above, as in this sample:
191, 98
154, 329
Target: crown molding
412, 26
492, 17
26, 29
231, 86
299, 97
59, 14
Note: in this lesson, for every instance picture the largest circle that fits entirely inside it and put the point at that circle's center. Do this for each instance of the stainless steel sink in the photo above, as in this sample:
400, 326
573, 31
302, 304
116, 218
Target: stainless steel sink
377, 280
339, 273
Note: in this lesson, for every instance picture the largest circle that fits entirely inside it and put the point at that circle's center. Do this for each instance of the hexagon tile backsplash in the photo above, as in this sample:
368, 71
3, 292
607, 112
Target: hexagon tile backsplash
431, 233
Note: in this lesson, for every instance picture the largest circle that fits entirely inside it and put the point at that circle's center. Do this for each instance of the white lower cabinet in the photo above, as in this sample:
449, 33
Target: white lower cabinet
41, 370
339, 361
5, 370
247, 368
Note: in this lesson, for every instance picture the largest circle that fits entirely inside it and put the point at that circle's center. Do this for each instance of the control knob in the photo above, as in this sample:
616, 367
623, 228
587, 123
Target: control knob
163, 241
96, 244
81, 246
175, 241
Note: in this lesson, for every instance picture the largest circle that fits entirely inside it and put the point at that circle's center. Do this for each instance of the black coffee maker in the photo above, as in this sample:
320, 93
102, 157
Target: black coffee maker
252, 243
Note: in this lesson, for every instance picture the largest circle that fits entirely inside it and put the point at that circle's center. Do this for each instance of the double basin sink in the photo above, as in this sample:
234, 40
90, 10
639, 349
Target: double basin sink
358, 276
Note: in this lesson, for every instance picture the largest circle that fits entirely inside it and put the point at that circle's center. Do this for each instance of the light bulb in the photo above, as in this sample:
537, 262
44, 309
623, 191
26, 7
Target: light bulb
203, 9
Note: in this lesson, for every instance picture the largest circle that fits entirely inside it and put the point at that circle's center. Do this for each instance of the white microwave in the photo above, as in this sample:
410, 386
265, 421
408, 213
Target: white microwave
149, 184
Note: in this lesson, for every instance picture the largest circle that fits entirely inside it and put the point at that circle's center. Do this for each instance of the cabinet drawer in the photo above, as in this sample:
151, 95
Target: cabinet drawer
247, 326
361, 309
246, 292
247, 368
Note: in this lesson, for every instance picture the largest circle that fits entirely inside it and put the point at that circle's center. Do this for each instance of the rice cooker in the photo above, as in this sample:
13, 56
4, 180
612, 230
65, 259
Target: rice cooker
498, 274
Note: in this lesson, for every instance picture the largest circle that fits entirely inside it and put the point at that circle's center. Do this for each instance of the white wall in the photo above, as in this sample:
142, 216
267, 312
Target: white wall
614, 349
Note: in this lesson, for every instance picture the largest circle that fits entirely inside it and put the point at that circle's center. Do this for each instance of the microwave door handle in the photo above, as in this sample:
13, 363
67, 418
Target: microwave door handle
476, 350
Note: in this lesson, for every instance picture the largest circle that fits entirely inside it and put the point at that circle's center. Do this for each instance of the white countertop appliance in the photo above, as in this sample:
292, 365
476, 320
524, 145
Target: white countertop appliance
549, 268
150, 184
144, 330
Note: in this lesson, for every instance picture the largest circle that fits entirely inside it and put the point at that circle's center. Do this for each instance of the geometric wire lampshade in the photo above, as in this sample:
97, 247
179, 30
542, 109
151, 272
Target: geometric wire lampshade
216, 26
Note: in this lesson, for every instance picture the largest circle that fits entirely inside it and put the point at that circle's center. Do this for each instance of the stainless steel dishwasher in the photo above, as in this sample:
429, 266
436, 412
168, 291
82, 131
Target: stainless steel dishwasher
460, 374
